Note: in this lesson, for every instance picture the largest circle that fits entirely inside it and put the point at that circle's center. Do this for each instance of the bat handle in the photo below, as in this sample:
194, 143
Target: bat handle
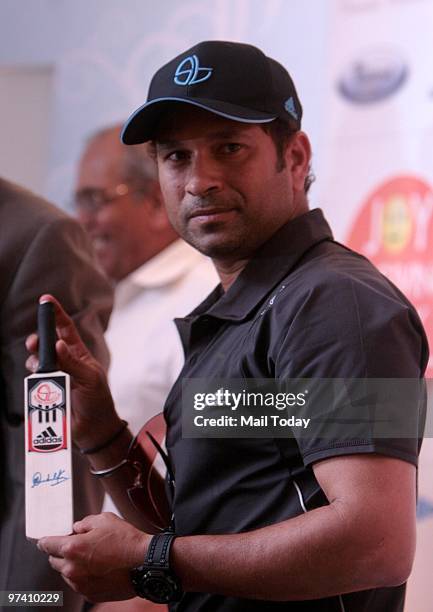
47, 337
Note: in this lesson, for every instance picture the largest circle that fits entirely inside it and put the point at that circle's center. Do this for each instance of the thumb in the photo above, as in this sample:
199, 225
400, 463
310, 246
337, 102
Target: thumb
89, 522
82, 526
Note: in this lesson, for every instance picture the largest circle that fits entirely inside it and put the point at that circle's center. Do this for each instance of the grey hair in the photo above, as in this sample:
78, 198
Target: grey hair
137, 167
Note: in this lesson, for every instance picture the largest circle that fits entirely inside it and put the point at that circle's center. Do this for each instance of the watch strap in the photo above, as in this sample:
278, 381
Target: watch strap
158, 552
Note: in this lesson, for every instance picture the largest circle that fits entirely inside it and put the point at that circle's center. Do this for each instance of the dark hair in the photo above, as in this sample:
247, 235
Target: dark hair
281, 132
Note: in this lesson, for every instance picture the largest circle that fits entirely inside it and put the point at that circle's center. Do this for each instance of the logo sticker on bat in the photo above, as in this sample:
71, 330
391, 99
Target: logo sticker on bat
47, 417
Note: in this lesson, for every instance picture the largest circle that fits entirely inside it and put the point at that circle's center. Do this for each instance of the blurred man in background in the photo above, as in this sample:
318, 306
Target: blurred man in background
156, 275
41, 249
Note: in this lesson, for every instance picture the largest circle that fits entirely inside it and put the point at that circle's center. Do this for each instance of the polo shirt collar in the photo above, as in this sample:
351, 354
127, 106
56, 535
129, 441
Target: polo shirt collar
270, 264
167, 266
164, 269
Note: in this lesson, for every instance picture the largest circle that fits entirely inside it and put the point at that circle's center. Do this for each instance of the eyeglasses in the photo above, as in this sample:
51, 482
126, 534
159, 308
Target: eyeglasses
148, 484
93, 200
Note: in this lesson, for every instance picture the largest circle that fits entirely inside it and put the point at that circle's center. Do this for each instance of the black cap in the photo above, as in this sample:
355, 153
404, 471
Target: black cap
234, 80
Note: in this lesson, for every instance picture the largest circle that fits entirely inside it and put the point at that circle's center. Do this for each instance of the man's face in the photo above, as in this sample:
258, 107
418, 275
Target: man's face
219, 178
119, 228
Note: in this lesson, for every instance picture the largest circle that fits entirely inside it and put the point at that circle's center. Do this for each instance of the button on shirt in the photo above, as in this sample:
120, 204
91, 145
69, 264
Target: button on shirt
304, 307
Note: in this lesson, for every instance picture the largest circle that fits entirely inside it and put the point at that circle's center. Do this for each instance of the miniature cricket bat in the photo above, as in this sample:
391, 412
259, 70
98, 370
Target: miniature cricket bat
48, 444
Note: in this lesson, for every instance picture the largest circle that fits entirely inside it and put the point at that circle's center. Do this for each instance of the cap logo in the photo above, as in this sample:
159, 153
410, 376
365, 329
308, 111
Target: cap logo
289, 105
188, 72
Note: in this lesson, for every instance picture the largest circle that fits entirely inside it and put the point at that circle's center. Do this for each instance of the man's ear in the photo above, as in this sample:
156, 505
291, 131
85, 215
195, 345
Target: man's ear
298, 157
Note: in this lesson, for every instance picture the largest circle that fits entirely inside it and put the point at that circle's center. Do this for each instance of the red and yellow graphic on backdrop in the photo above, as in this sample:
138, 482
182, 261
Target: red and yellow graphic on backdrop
394, 229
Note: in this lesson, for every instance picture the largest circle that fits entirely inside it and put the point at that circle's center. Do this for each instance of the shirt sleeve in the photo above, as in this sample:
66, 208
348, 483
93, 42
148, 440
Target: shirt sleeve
347, 329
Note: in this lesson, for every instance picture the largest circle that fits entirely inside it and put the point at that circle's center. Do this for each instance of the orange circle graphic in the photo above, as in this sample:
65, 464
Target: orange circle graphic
394, 229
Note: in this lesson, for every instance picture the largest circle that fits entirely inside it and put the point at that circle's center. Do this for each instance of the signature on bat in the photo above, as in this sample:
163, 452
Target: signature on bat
53, 479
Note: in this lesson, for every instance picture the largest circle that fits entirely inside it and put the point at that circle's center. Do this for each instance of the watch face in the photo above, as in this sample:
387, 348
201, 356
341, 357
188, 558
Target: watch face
158, 589
159, 586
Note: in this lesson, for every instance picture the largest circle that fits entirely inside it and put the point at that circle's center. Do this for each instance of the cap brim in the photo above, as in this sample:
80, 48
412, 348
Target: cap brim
141, 124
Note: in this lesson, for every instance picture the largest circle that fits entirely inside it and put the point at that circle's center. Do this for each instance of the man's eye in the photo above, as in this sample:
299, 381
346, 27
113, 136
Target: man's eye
177, 156
231, 147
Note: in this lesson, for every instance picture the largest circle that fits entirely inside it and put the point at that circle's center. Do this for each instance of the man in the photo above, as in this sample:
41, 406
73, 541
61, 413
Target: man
260, 524
157, 276
41, 249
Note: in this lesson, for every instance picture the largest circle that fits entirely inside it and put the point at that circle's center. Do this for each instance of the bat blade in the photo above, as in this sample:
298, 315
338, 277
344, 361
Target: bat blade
48, 451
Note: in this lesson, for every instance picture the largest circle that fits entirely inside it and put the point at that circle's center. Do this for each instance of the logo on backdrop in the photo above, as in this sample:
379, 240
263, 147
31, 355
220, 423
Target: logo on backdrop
189, 72
373, 77
394, 229
424, 508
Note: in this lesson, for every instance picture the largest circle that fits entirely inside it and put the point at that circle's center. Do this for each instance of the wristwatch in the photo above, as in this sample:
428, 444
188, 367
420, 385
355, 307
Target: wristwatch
154, 580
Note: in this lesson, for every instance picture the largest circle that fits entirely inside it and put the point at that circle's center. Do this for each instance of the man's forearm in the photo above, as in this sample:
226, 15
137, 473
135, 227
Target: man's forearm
124, 478
311, 556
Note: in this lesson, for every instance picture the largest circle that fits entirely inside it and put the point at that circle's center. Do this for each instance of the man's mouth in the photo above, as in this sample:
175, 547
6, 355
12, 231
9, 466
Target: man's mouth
100, 242
212, 214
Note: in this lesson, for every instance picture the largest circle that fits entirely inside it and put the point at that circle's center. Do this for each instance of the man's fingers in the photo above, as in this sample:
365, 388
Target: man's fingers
86, 524
32, 363
95, 520
32, 343
71, 364
72, 354
80, 369
69, 569
65, 327
57, 563
72, 584
53, 545
68, 572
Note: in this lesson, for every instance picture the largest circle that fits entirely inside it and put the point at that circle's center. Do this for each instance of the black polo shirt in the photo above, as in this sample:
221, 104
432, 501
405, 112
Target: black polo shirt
304, 307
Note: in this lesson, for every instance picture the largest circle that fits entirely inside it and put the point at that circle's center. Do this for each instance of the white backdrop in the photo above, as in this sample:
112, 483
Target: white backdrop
103, 53
378, 174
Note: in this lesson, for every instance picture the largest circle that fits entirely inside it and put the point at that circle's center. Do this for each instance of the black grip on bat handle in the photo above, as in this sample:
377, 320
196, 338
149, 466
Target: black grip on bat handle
47, 337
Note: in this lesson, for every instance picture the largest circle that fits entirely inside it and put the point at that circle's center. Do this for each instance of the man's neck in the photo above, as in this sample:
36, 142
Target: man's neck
228, 272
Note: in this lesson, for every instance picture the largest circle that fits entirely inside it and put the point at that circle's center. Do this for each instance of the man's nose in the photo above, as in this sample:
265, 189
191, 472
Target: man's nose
86, 217
204, 176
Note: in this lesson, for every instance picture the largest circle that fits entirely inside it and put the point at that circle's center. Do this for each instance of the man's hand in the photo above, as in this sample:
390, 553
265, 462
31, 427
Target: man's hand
96, 560
95, 421
93, 417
